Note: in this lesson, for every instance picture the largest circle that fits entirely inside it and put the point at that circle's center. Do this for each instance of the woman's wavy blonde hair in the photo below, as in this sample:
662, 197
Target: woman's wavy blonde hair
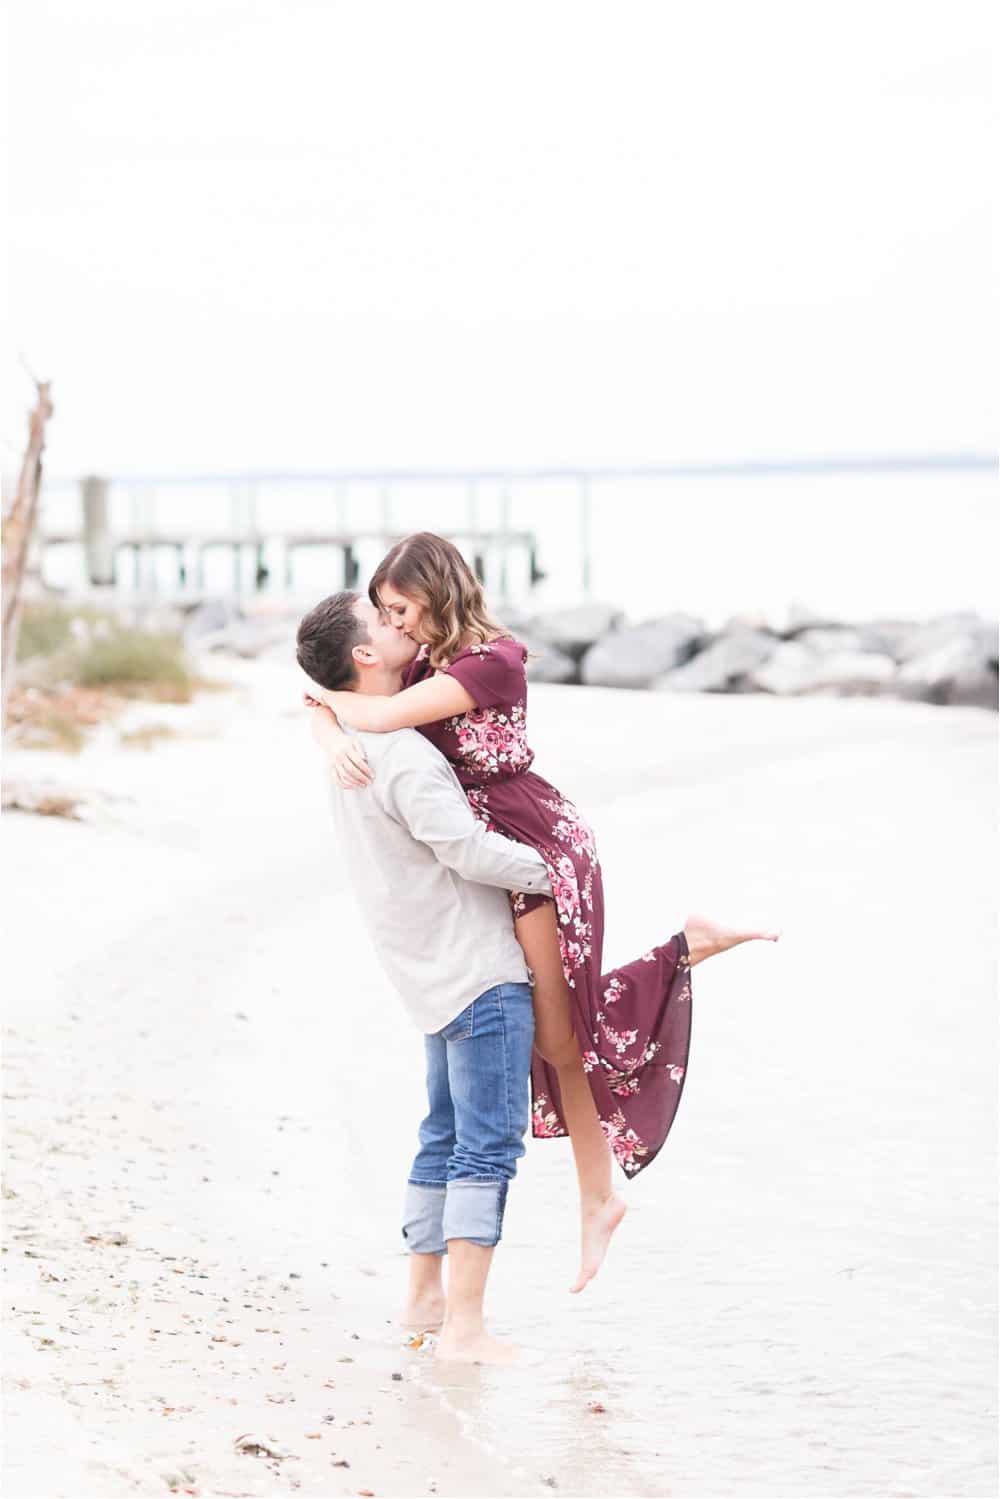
432, 571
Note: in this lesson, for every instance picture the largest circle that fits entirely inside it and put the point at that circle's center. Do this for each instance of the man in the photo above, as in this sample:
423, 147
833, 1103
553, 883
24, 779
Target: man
448, 946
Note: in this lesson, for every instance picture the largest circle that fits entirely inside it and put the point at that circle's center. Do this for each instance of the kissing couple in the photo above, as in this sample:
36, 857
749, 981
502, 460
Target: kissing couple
481, 888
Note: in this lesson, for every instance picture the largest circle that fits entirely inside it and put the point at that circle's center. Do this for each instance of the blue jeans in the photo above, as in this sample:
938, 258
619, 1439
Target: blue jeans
473, 1135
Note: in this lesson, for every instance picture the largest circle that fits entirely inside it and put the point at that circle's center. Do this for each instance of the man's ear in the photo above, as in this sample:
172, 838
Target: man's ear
364, 655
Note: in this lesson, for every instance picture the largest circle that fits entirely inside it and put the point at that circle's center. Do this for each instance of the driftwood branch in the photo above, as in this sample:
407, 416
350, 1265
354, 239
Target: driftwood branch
51, 798
19, 520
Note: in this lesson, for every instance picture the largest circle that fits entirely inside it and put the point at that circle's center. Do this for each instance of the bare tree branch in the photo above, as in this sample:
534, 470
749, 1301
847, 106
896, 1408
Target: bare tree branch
18, 525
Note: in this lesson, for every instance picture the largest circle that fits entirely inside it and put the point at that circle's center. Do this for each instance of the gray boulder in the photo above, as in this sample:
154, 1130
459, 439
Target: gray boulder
890, 636
545, 663
956, 671
794, 670
790, 669
513, 620
924, 640
250, 638
722, 664
828, 639
158, 618
854, 674
638, 655
574, 631
987, 640
974, 686
753, 619
886, 636
798, 617
207, 618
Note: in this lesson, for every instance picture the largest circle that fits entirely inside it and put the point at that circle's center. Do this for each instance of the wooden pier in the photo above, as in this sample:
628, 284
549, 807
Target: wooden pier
128, 557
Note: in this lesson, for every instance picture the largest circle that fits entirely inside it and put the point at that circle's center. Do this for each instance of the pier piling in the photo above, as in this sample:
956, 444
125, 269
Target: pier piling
97, 540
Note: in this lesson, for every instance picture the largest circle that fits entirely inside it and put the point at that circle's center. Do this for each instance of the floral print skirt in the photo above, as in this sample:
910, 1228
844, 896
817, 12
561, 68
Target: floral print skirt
633, 1023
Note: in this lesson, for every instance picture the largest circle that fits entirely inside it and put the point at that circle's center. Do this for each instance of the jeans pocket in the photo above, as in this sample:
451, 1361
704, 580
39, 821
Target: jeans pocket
460, 1029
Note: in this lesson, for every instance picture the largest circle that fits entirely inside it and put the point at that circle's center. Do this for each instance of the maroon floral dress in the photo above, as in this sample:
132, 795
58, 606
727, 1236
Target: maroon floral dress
633, 1023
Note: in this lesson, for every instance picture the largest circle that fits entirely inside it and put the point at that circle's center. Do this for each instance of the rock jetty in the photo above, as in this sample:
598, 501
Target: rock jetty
950, 660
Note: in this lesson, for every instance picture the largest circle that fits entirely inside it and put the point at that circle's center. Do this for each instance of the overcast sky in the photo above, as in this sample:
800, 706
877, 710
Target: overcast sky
308, 234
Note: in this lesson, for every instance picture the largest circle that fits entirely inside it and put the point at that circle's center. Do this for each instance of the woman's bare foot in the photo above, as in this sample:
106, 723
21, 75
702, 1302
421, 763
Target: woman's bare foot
475, 1348
424, 1314
705, 937
597, 1226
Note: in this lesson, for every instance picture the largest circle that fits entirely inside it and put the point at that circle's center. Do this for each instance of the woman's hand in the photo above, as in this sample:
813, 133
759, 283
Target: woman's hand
345, 756
349, 765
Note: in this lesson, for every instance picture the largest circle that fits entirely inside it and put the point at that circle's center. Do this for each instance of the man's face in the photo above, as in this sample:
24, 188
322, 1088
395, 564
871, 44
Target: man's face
393, 648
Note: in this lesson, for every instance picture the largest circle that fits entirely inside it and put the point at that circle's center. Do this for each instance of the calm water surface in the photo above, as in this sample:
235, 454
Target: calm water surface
854, 544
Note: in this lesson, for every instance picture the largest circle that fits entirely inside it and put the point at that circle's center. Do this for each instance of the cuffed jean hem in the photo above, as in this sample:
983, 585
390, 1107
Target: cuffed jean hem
423, 1211
473, 1210
464, 1209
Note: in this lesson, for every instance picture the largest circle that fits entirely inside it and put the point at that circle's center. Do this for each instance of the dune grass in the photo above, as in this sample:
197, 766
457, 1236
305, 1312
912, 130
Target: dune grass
136, 663
47, 628
92, 648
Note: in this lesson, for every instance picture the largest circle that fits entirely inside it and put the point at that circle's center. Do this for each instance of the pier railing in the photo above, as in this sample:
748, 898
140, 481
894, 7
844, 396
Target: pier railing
123, 528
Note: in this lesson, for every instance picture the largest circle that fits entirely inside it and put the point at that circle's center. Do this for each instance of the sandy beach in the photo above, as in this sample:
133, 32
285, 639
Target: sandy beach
201, 1201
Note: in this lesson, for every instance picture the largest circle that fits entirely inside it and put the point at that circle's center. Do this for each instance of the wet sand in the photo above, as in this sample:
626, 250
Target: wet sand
799, 1301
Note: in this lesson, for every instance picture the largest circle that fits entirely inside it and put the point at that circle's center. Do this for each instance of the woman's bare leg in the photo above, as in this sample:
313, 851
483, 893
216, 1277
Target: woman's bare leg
601, 1210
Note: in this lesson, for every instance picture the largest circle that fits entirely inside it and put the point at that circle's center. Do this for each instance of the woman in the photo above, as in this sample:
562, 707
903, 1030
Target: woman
610, 1049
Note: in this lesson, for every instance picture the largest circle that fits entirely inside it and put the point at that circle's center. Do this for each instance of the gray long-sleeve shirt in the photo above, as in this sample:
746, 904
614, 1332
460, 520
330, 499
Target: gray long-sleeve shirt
430, 879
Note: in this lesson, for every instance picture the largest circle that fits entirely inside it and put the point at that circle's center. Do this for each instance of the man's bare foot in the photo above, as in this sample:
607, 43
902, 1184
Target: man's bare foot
475, 1348
598, 1225
423, 1315
706, 937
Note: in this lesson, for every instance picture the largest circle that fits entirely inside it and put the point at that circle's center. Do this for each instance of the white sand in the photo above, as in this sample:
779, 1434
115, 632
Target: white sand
196, 1026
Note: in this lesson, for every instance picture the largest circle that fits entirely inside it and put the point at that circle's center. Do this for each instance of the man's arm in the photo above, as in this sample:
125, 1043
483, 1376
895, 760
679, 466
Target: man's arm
425, 796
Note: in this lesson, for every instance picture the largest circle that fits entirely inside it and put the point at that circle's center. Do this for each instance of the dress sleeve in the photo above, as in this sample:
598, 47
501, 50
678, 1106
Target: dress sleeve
493, 675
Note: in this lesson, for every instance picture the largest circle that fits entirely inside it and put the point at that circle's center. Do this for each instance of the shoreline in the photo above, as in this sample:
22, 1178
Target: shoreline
189, 1058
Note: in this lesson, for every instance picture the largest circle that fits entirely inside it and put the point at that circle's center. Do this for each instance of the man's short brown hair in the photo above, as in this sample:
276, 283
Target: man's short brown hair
326, 637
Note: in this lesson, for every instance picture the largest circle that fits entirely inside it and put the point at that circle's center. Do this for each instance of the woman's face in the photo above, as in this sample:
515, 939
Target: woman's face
403, 613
